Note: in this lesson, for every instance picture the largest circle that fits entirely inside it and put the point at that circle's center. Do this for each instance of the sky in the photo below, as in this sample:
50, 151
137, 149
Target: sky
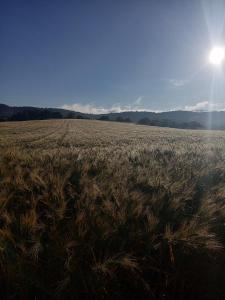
112, 55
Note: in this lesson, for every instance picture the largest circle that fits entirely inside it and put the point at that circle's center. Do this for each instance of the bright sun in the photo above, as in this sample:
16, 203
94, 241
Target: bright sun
217, 55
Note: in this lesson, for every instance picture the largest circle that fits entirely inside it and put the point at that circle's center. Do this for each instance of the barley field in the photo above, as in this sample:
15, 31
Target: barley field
106, 210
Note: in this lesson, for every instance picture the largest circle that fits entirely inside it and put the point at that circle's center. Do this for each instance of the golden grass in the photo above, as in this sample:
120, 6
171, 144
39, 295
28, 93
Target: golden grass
103, 210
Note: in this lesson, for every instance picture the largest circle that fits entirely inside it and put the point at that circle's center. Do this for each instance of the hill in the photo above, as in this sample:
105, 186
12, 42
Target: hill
11, 112
214, 120
207, 120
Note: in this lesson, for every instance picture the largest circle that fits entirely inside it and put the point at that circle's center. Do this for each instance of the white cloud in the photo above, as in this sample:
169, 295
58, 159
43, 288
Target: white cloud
177, 82
206, 106
86, 108
138, 100
90, 108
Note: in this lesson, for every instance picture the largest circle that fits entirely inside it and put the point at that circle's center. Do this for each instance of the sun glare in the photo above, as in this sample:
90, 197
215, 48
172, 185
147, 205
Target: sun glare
217, 55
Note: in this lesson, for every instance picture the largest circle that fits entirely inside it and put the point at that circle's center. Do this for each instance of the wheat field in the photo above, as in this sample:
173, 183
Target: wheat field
107, 210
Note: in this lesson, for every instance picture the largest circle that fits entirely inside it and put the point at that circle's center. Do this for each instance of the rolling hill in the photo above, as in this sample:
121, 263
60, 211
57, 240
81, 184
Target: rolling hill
208, 120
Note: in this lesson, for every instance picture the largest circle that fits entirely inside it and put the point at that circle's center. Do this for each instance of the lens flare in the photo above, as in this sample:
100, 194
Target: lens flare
217, 55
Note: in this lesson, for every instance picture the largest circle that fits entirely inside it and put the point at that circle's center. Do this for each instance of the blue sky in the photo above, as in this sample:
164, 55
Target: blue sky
101, 55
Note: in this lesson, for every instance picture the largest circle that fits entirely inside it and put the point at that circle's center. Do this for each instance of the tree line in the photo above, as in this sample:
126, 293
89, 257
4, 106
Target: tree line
159, 123
45, 114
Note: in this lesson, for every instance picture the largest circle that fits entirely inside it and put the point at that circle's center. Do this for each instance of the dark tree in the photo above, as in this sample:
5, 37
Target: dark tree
42, 114
104, 118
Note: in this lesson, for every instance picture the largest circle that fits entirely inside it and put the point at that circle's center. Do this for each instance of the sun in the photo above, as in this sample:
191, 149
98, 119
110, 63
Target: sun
217, 55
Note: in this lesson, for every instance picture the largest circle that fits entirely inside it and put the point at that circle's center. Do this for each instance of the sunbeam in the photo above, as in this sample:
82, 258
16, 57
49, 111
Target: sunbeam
214, 13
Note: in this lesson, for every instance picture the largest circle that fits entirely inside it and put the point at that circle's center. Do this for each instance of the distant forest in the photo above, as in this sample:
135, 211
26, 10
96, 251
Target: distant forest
171, 124
45, 114
40, 114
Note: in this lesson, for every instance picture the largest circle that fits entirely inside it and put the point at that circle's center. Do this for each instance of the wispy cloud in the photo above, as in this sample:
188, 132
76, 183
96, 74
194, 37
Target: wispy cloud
86, 108
138, 100
177, 82
206, 106
91, 108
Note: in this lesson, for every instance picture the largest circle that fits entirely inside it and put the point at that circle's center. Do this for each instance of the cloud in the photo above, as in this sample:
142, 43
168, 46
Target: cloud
177, 82
90, 108
86, 108
206, 106
138, 100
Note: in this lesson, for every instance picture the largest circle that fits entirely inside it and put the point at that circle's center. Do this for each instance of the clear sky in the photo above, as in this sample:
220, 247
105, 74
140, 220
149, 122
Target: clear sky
111, 54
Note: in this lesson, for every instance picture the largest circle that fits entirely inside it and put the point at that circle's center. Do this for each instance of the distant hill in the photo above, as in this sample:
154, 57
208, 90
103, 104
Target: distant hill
213, 120
10, 112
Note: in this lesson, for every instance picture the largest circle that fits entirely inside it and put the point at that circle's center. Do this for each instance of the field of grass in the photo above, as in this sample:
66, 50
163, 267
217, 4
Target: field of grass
104, 210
